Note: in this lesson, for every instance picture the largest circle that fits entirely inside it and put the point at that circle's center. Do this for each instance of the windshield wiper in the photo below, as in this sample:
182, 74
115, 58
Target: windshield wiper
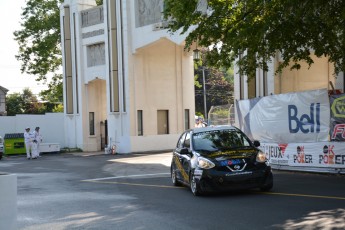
206, 150
235, 147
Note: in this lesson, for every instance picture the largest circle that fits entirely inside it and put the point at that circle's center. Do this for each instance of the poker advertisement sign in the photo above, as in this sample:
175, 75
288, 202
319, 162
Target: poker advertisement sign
319, 154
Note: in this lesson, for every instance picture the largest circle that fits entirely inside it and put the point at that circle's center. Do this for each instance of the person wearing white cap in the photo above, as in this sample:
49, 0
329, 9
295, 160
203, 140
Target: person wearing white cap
28, 138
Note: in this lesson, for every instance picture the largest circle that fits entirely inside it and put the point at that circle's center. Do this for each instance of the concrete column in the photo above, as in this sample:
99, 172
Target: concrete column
8, 201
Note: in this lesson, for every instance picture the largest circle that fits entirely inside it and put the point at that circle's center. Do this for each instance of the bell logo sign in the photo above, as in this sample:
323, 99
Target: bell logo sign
306, 123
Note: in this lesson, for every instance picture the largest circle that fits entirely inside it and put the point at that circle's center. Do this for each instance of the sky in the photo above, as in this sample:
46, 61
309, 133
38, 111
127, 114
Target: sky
11, 77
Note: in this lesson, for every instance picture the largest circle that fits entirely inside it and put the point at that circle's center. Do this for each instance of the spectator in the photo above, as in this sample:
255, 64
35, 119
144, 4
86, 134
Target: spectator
200, 123
37, 142
28, 139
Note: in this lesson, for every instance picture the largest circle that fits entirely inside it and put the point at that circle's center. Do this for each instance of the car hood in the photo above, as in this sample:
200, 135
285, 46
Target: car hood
230, 154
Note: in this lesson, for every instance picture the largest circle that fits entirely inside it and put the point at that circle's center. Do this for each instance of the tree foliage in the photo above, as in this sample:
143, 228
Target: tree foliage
14, 104
40, 39
24, 103
39, 42
58, 108
54, 93
256, 30
218, 85
27, 103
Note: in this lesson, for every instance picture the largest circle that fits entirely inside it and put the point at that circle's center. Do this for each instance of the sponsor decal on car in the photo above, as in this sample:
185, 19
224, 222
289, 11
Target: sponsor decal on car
239, 173
233, 153
231, 162
198, 173
181, 169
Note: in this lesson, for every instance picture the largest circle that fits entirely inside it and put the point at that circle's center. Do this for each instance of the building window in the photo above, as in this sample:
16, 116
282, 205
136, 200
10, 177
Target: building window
163, 121
92, 123
186, 119
140, 123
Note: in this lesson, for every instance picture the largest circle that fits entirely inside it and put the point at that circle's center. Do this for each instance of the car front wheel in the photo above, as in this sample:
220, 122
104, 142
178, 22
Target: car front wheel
268, 183
194, 186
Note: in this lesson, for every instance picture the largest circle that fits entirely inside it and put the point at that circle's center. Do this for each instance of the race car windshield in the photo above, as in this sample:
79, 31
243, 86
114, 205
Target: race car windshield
216, 140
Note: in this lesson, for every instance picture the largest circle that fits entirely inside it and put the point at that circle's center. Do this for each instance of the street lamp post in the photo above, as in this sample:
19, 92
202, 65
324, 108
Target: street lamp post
204, 91
196, 56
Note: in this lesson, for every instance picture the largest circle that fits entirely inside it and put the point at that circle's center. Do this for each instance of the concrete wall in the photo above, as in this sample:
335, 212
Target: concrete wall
51, 126
162, 80
317, 76
159, 85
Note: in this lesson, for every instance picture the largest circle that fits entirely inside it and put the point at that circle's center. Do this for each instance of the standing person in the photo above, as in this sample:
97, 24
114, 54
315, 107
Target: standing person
200, 123
28, 138
37, 142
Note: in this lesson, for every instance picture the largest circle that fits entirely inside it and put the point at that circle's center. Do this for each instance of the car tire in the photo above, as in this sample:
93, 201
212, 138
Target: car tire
194, 186
173, 176
268, 185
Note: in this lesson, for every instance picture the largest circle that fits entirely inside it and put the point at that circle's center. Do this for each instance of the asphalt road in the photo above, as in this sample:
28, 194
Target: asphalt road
83, 191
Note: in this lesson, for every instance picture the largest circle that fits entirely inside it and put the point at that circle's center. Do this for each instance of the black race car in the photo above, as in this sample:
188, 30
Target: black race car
219, 158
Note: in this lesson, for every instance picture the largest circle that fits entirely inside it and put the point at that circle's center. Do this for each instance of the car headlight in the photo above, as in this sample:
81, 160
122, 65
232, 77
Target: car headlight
261, 157
205, 163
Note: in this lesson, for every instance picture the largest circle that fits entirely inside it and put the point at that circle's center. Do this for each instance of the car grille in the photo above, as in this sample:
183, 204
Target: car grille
245, 165
241, 182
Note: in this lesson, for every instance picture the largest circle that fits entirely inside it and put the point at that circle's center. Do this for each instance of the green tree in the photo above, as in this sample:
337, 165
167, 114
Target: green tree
39, 43
24, 103
58, 108
256, 29
54, 93
40, 39
14, 104
218, 84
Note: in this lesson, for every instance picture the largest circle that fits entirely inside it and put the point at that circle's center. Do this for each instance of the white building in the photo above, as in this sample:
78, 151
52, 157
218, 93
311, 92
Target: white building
3, 92
127, 81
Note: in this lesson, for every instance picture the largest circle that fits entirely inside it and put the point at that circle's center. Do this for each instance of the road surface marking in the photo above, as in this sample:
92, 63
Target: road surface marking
102, 180
128, 176
303, 195
133, 184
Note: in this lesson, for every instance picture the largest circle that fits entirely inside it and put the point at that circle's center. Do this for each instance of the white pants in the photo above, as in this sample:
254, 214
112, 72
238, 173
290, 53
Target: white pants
38, 148
34, 150
28, 146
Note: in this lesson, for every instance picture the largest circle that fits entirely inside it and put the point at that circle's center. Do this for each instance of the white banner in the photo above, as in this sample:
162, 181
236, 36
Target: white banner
284, 118
320, 154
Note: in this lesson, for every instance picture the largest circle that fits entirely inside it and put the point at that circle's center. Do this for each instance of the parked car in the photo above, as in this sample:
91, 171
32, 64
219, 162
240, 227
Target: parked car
219, 158
1, 147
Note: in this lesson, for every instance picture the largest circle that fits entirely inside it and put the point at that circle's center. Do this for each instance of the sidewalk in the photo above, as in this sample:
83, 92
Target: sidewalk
86, 154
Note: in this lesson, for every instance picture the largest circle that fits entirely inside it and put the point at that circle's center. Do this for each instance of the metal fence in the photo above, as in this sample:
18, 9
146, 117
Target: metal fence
221, 115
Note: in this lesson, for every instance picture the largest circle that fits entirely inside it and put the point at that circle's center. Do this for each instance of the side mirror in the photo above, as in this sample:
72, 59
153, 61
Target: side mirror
184, 151
256, 143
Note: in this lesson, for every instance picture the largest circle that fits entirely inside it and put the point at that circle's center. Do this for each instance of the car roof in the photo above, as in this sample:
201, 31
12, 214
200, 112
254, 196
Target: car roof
213, 128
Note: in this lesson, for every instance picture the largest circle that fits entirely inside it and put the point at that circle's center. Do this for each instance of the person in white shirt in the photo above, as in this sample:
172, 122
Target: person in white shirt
28, 139
200, 123
37, 141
